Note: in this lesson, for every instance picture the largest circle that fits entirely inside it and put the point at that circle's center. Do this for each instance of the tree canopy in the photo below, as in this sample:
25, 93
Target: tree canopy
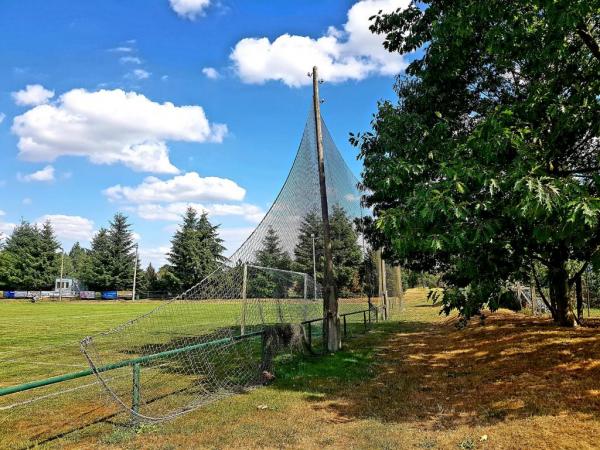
489, 159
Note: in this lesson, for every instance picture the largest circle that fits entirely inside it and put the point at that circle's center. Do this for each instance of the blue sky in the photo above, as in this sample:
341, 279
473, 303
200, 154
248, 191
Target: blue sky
145, 106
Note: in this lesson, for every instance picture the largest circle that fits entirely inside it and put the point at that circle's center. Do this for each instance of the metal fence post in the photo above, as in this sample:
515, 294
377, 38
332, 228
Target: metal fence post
345, 328
365, 319
135, 394
244, 301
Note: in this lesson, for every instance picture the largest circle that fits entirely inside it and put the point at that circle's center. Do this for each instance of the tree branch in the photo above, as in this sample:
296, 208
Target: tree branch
539, 288
588, 40
578, 273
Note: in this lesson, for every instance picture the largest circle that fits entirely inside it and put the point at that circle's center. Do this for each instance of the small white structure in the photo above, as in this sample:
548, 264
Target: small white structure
67, 287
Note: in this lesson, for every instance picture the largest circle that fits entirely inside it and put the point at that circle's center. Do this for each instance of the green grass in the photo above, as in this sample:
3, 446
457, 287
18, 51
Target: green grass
42, 340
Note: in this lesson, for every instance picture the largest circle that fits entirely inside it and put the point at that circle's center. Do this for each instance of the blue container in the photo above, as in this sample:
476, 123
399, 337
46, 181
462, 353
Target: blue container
9, 294
109, 295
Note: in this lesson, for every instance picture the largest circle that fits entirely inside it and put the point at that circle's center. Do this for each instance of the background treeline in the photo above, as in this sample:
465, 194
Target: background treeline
30, 257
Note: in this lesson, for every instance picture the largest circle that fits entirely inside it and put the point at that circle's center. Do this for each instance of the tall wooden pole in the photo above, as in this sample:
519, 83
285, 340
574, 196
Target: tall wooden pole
134, 273
331, 326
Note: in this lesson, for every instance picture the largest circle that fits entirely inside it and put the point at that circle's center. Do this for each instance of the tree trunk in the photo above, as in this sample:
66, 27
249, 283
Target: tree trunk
558, 277
579, 295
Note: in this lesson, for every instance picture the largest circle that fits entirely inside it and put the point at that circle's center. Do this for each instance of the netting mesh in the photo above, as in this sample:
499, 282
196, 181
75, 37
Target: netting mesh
221, 336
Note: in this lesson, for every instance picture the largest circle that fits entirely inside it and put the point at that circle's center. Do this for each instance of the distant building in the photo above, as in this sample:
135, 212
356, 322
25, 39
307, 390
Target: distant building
67, 287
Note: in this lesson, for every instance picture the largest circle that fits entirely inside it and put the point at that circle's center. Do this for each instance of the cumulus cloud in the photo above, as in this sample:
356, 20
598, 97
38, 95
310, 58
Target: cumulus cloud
32, 95
155, 255
211, 72
189, 9
174, 211
350, 53
111, 126
72, 228
2, 117
186, 187
45, 174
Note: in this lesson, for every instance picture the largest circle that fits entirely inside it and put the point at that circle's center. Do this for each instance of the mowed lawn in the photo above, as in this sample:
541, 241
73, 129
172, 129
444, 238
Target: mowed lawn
509, 382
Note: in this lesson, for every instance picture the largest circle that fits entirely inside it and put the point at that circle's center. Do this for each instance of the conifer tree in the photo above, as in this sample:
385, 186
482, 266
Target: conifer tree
97, 274
49, 258
196, 250
265, 283
122, 255
24, 249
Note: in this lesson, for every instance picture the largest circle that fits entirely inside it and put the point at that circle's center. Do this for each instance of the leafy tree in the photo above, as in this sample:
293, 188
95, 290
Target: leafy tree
196, 250
489, 159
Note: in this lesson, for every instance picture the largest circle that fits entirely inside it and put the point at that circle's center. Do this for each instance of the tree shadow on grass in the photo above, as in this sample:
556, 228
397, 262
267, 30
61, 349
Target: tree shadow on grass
511, 366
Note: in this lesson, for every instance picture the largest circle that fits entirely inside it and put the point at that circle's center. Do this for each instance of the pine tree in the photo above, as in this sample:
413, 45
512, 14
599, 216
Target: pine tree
265, 283
97, 273
347, 254
24, 252
80, 261
151, 279
196, 250
50, 259
271, 254
122, 251
303, 252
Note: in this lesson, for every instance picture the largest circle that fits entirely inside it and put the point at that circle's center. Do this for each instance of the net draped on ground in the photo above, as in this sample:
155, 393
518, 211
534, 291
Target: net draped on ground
216, 339
208, 342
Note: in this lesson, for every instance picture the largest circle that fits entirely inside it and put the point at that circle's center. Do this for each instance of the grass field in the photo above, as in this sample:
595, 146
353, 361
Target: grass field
511, 382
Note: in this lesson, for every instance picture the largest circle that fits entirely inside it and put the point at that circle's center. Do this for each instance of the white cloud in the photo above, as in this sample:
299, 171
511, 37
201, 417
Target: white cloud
211, 72
6, 229
234, 237
174, 211
45, 174
123, 49
111, 126
27, 201
72, 228
189, 9
130, 60
351, 53
32, 95
186, 187
155, 255
2, 117
139, 74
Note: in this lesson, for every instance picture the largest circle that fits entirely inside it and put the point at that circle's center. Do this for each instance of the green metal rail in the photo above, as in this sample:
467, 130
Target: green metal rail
134, 362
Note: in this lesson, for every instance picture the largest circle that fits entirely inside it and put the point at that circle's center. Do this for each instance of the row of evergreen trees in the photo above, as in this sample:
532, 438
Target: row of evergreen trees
30, 257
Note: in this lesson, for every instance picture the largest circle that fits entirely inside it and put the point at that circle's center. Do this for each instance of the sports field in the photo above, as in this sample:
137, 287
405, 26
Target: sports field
415, 381
41, 340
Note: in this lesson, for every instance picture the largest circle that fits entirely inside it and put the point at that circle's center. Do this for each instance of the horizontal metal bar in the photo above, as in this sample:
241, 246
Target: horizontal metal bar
312, 320
120, 364
354, 312
277, 270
